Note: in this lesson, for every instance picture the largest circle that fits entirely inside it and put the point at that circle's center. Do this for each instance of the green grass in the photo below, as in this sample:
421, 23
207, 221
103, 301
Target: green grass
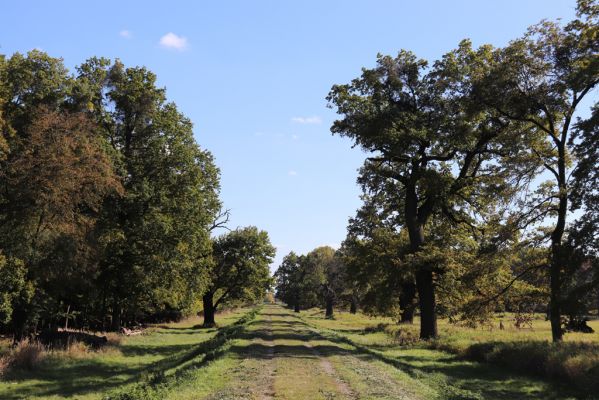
163, 350
271, 352
522, 353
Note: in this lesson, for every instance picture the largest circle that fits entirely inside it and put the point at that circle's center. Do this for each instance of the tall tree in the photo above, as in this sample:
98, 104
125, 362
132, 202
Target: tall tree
429, 140
106, 199
542, 78
54, 181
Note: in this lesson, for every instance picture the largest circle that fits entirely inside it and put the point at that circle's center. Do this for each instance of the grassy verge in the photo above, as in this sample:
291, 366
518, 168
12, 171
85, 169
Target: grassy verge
90, 375
156, 382
575, 364
447, 362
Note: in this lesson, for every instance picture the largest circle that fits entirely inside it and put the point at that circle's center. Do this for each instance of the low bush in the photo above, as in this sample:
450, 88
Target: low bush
26, 355
574, 363
382, 327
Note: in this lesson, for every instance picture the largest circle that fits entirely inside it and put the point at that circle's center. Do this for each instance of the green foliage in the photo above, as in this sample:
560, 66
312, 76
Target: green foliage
319, 278
106, 197
240, 266
15, 289
454, 167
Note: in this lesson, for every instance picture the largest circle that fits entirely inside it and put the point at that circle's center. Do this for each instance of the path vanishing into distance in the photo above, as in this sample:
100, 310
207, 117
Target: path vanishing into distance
270, 352
282, 355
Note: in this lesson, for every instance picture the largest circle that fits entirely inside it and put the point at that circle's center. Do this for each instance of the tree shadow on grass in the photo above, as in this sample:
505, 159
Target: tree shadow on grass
453, 377
446, 371
80, 377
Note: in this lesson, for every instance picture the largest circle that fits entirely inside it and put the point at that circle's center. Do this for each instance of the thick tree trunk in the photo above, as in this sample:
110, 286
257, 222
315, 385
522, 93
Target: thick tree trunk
353, 305
555, 312
209, 309
424, 276
407, 303
428, 312
19, 321
296, 303
329, 308
116, 316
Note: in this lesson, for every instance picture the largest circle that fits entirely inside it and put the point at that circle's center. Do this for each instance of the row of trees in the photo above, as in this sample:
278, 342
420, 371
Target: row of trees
317, 279
475, 164
107, 203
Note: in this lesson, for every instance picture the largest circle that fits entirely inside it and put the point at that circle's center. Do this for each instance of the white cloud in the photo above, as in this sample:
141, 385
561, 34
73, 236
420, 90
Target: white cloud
126, 34
294, 137
307, 120
292, 173
172, 41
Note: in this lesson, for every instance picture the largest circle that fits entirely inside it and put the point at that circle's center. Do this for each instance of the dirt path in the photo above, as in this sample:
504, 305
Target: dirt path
330, 370
268, 390
281, 357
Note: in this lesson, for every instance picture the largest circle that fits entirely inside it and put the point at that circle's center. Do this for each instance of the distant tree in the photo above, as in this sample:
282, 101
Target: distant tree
324, 276
16, 290
239, 271
288, 279
375, 247
312, 280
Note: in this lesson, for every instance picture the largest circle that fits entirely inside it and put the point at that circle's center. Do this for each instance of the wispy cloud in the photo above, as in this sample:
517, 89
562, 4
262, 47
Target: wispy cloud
173, 41
292, 173
294, 137
307, 120
126, 34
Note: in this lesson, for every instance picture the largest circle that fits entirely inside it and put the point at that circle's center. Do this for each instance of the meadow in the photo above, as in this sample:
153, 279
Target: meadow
529, 350
86, 374
270, 352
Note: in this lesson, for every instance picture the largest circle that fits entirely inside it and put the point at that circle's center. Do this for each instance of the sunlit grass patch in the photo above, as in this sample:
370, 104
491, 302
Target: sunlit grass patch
89, 375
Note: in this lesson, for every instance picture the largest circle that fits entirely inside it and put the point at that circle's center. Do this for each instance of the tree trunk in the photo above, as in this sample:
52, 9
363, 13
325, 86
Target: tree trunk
407, 303
329, 308
296, 307
209, 309
66, 318
424, 276
353, 305
555, 312
116, 316
428, 312
19, 320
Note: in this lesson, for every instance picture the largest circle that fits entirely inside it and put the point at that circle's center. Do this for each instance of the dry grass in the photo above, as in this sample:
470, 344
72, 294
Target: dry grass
27, 354
30, 354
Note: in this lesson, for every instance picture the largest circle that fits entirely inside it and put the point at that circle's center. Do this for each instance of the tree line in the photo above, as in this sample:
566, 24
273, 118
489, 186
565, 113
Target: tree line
108, 206
475, 162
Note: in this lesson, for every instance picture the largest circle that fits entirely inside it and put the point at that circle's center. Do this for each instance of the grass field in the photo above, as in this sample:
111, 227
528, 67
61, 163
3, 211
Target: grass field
89, 376
381, 330
278, 354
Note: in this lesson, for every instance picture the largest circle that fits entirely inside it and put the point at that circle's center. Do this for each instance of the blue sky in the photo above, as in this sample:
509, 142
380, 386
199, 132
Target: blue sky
253, 76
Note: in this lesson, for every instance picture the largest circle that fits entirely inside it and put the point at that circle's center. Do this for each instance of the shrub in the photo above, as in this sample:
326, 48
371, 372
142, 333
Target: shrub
26, 355
404, 337
376, 328
569, 362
